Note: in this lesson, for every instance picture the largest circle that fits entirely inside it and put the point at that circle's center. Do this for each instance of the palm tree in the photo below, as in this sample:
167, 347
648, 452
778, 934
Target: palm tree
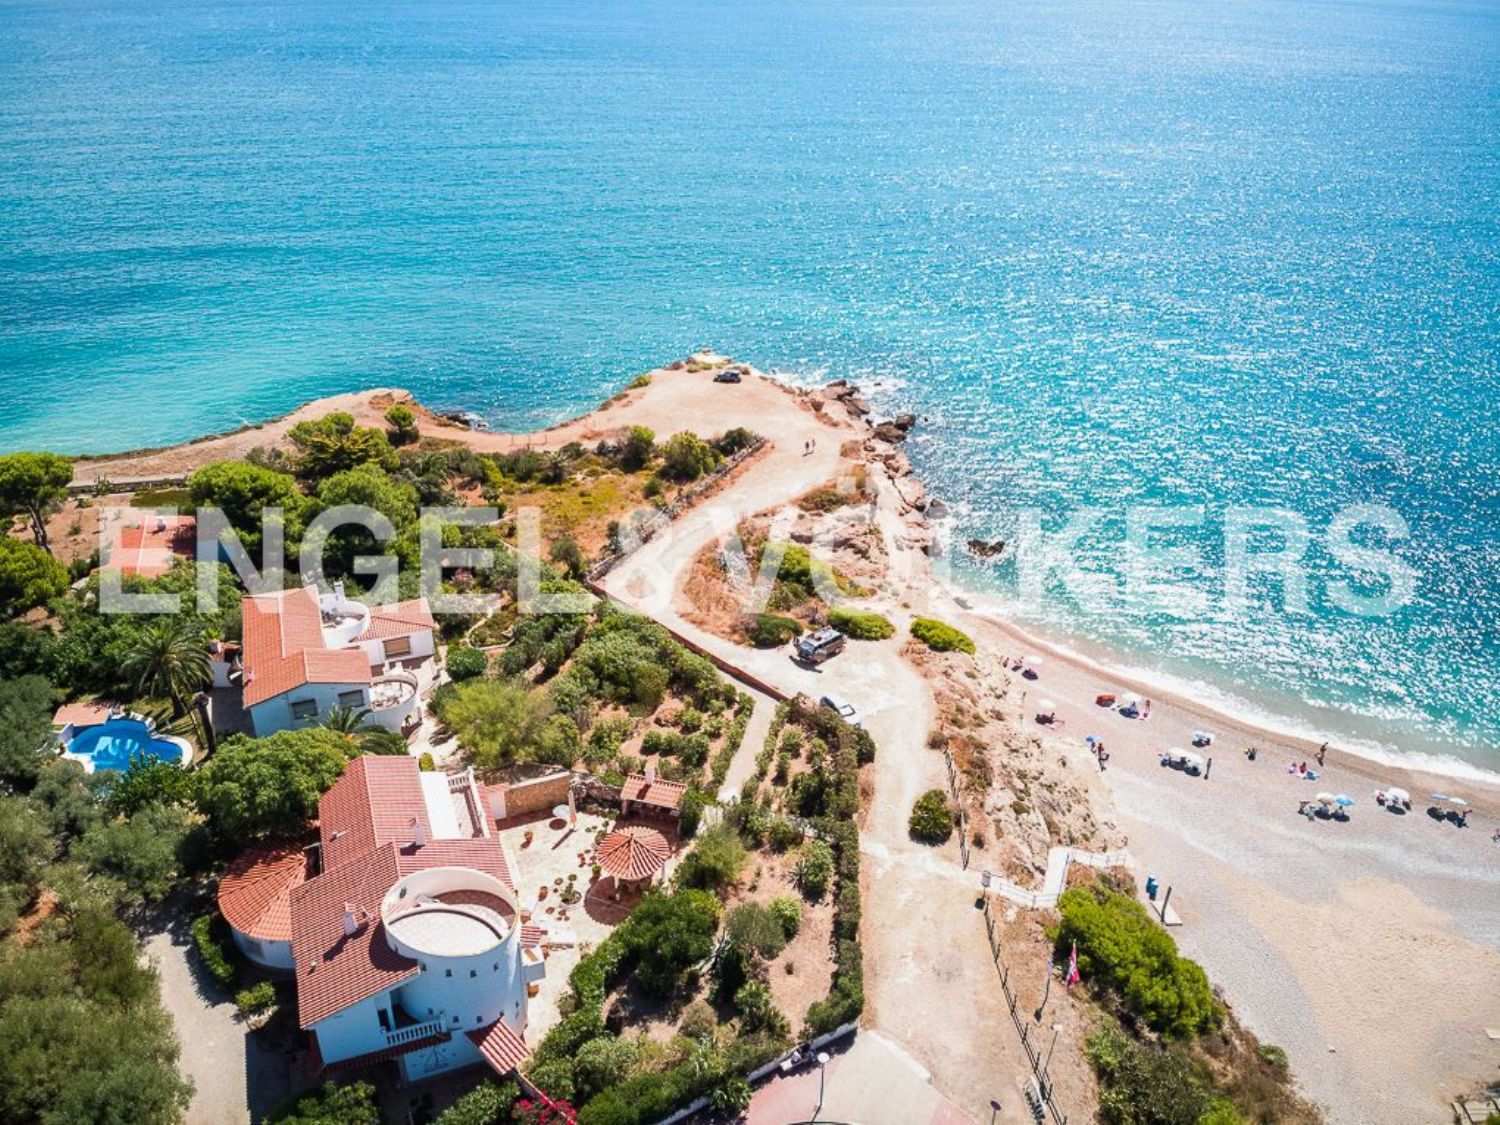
348, 721
169, 657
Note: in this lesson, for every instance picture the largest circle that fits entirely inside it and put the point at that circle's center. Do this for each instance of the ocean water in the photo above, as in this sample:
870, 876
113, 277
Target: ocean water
1114, 254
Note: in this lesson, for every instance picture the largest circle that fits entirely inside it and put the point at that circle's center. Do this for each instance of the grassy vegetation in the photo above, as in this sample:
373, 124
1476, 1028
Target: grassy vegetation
162, 498
940, 637
861, 626
1164, 1048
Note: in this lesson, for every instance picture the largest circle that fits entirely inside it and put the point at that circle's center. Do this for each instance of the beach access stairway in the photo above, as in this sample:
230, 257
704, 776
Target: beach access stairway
1059, 859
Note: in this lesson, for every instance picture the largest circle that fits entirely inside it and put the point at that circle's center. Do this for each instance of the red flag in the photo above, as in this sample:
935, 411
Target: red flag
1073, 977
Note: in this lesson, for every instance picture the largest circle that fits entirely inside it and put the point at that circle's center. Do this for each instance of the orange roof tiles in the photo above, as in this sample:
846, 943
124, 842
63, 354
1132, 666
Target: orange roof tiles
334, 969
372, 803
150, 549
636, 852
255, 893
661, 794
401, 619
501, 1047
283, 647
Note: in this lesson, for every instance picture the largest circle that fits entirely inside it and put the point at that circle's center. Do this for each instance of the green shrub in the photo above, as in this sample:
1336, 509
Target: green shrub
257, 998
1275, 1056
690, 813
486, 1104
640, 381
1145, 1085
815, 869
714, 862
788, 913
861, 626
940, 637
217, 958
770, 630
464, 663
784, 835
1123, 950
931, 820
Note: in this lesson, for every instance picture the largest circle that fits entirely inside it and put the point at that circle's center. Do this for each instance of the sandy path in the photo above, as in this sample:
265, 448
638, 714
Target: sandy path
1369, 949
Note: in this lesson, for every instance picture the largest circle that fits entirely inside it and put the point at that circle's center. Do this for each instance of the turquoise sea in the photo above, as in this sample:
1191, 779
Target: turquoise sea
1114, 253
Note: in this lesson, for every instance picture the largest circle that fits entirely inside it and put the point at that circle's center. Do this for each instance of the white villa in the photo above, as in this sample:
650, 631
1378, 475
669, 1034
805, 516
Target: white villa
305, 653
408, 946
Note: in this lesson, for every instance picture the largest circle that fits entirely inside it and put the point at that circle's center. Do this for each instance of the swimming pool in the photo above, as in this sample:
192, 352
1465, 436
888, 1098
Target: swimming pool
112, 744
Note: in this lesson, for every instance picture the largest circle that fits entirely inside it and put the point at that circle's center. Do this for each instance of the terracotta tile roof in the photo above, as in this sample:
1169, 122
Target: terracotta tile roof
661, 794
87, 714
399, 620
371, 804
334, 969
501, 1047
150, 549
283, 647
482, 854
255, 893
636, 852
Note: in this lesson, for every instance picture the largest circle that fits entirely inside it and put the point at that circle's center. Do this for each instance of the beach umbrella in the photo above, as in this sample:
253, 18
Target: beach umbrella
1459, 801
560, 812
1202, 738
1396, 794
1325, 798
1343, 800
1045, 707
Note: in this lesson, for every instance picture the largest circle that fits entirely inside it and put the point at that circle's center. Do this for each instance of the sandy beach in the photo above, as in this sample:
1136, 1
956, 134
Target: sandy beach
1369, 948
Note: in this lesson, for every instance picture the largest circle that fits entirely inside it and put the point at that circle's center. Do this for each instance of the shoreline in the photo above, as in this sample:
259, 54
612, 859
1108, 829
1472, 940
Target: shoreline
1380, 761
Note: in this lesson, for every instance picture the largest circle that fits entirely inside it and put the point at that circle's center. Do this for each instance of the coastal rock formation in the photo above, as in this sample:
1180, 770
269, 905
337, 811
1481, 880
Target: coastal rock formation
986, 549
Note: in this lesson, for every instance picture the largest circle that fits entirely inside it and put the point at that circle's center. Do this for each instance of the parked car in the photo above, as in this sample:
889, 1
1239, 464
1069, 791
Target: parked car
842, 708
819, 645
728, 375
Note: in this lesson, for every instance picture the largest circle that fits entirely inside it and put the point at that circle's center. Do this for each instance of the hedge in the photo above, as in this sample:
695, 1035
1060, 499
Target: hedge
217, 958
257, 998
861, 626
940, 637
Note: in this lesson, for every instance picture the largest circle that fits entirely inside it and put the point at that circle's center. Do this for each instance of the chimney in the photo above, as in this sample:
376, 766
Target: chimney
418, 833
338, 589
650, 772
351, 923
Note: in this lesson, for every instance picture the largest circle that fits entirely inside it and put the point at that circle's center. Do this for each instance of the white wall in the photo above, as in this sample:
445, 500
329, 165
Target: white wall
422, 646
354, 1031
271, 954
275, 714
494, 991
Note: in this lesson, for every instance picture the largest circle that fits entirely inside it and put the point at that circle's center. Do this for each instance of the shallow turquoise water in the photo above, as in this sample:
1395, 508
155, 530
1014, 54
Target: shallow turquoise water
1114, 253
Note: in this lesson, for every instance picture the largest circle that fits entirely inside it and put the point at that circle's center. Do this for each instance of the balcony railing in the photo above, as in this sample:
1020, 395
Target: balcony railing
404, 1035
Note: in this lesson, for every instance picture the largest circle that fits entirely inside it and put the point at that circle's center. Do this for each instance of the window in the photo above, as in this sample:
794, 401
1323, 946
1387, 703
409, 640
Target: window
455, 1020
304, 708
447, 972
397, 647
352, 698
385, 1019
478, 1020
473, 972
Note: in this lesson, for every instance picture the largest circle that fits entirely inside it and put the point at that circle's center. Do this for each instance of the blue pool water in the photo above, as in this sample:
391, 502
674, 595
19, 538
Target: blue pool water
113, 745
1114, 252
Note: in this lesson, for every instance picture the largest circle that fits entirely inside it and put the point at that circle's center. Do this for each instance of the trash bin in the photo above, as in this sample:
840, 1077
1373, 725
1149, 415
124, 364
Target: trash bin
1151, 885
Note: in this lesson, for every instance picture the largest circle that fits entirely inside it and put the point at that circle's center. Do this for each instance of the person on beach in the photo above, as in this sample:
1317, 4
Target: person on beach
1146, 709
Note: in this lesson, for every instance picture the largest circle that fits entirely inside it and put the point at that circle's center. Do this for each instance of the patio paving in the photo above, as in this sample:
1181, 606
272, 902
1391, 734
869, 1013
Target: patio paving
866, 1079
